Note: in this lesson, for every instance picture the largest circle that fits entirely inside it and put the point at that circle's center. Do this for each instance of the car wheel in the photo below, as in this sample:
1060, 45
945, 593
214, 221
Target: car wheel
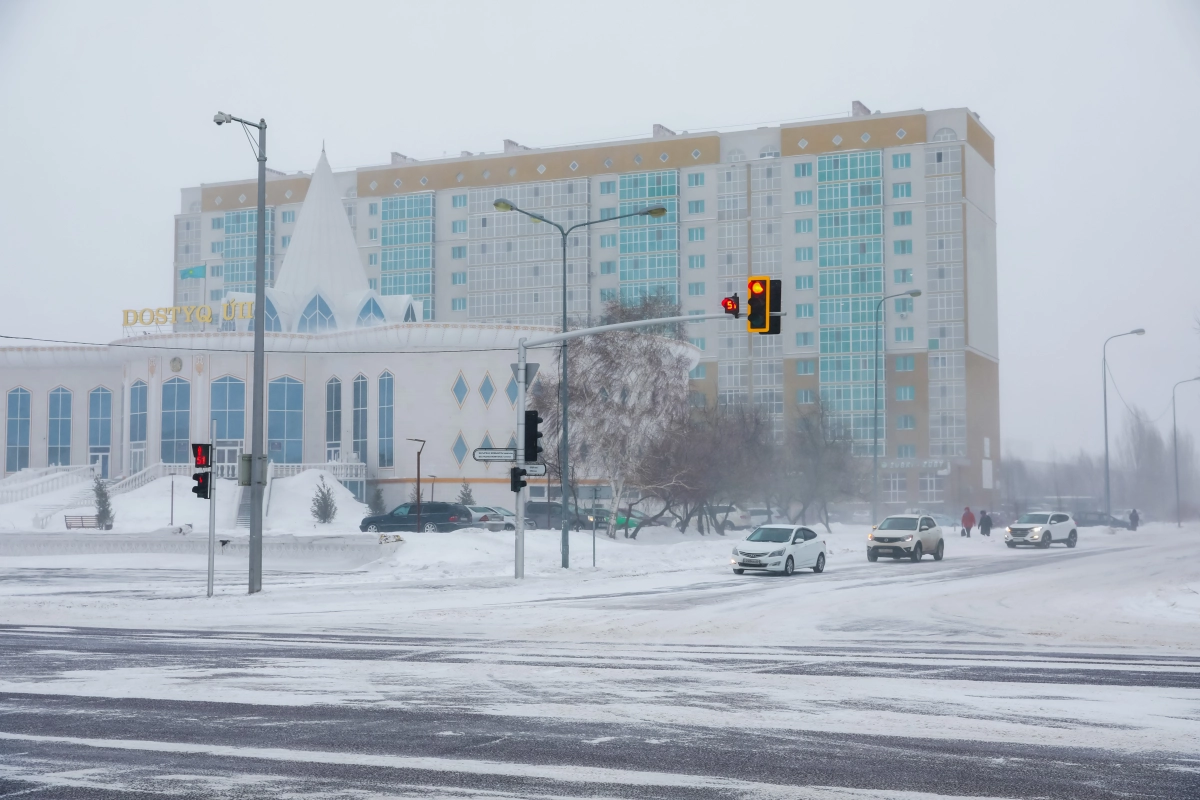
941, 550
1046, 541
916, 553
372, 529
1011, 545
789, 566
508, 527
738, 571
1072, 539
820, 565
872, 555
430, 527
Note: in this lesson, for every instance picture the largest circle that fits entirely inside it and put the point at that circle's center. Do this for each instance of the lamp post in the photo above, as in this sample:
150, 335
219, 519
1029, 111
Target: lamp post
501, 204
258, 471
1175, 447
1104, 366
419, 449
875, 405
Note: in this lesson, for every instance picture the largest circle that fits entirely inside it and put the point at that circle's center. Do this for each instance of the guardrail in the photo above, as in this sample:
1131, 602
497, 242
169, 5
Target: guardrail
51, 479
348, 551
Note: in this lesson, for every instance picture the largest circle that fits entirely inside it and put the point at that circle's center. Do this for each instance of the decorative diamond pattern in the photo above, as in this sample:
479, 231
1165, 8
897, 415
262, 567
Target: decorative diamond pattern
424, 181
459, 449
288, 194
608, 163
866, 137
695, 154
663, 158
460, 389
217, 201
900, 134
637, 159
241, 198
511, 391
487, 390
374, 185
803, 143
837, 139
541, 168
397, 183
486, 442
458, 177
512, 172
512, 441
487, 173
574, 165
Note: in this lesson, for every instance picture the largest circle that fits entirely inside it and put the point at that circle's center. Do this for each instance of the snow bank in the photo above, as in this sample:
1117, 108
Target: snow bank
291, 506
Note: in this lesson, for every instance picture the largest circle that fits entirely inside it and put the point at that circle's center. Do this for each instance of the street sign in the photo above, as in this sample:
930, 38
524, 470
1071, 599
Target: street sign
530, 372
534, 470
495, 454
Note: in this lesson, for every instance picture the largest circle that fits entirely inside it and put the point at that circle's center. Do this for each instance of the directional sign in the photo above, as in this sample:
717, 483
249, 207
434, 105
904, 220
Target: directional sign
530, 372
495, 454
534, 470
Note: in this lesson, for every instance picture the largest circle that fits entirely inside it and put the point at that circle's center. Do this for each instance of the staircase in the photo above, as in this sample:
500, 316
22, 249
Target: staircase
32, 482
88, 497
243, 512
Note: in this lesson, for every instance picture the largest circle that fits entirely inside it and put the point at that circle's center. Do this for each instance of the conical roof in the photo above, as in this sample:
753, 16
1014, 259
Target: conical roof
323, 255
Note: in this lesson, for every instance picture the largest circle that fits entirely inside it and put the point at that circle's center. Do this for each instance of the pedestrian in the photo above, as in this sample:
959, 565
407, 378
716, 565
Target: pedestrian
985, 523
968, 522
1133, 520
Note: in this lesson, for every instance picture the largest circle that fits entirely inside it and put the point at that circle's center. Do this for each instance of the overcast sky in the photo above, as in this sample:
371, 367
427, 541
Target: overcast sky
106, 109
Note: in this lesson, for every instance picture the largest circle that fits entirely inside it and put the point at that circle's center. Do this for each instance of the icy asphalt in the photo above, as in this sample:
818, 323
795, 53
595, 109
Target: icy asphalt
1057, 674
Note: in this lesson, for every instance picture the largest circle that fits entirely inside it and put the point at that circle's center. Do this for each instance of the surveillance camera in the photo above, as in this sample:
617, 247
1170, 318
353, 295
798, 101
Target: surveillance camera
221, 117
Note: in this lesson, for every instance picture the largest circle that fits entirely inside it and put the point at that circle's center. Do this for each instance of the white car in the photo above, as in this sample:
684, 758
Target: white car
779, 548
906, 536
1042, 529
496, 518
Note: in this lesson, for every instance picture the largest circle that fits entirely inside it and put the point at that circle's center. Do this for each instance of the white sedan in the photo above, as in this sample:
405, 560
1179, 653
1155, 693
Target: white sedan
779, 548
496, 518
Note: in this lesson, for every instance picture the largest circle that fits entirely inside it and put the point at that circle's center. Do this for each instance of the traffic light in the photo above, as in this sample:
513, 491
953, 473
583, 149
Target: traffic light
202, 457
732, 305
515, 482
774, 305
202, 454
766, 296
203, 488
532, 434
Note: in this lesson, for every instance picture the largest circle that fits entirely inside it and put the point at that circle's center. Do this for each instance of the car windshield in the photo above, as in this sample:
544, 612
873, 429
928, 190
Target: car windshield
899, 524
503, 511
1033, 519
770, 535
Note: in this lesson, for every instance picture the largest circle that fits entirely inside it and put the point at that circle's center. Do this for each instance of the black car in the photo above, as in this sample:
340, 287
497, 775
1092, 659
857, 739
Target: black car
1096, 519
550, 515
434, 517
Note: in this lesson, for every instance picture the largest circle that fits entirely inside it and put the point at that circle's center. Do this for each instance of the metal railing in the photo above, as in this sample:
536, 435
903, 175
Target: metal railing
88, 497
45, 480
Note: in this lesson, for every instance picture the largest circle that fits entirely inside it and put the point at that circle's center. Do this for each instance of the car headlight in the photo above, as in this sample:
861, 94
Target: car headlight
870, 537
908, 538
1038, 529
778, 552
1008, 530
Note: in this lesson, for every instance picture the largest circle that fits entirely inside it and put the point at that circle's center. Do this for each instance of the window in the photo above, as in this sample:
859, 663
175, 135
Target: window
217, 247
458, 278
904, 334
228, 402
699, 371
904, 393
696, 289
608, 213
458, 252
804, 397
932, 485
59, 450
895, 487
16, 451
458, 226
695, 179
359, 418
284, 241
901, 161
902, 247
803, 169
695, 206
904, 305
804, 254
317, 318
373, 259
458, 304
137, 412
804, 339
373, 209
176, 419
219, 222
458, 201
804, 225
906, 422
698, 342
608, 240
804, 282
905, 363
695, 234
215, 295
608, 267
608, 187
333, 419
805, 367
285, 421
608, 295
373, 283
387, 401
902, 275
696, 262
100, 428
804, 198
372, 234
804, 310
288, 217
906, 451
901, 190
902, 218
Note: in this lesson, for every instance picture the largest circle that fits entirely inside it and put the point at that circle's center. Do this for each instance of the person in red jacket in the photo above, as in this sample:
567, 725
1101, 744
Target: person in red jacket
968, 522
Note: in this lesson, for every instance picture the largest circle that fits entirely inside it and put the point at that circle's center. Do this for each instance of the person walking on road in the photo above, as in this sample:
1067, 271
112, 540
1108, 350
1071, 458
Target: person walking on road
1133, 520
985, 523
968, 522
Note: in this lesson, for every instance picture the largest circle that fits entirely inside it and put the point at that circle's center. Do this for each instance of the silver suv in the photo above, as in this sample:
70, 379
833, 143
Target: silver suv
1042, 529
906, 536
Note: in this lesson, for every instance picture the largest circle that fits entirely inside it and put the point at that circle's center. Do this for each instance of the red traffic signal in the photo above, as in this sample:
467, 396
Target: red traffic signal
203, 485
202, 454
732, 305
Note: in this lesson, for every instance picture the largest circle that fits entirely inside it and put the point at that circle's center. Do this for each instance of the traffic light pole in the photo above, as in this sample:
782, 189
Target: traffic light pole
212, 511
541, 341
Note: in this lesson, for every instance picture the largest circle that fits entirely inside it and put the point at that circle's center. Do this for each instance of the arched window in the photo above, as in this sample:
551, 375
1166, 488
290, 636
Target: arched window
944, 135
229, 408
769, 151
16, 451
285, 421
333, 419
176, 421
100, 428
317, 317
137, 427
360, 418
387, 386
410, 314
371, 314
272, 319
59, 439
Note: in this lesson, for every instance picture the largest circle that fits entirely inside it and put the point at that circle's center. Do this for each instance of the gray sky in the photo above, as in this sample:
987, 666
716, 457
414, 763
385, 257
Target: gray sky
107, 111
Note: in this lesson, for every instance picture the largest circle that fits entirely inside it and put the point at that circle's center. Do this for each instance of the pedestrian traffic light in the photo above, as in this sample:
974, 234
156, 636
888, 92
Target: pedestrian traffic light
764, 304
202, 457
201, 454
732, 305
203, 487
515, 481
532, 434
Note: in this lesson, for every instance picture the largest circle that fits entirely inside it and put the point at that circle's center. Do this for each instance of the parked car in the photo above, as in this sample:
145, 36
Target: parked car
779, 548
1042, 529
496, 518
434, 517
761, 516
910, 535
1096, 519
728, 518
549, 515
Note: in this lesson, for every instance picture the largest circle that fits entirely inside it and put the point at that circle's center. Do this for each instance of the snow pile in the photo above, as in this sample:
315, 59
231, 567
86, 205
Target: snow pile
290, 510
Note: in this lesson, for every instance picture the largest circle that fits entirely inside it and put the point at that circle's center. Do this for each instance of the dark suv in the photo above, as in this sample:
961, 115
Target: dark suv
550, 515
434, 517
1094, 519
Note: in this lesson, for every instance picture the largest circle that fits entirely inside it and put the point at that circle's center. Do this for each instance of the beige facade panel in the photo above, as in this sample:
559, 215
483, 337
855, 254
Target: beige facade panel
524, 166
981, 140
881, 130
983, 426
230, 195
707, 385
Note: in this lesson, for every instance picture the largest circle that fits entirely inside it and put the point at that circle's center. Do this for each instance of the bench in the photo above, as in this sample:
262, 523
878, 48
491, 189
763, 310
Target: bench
83, 522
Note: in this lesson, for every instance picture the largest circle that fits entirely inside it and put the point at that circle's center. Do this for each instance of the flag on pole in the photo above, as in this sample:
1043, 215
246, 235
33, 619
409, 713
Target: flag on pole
193, 272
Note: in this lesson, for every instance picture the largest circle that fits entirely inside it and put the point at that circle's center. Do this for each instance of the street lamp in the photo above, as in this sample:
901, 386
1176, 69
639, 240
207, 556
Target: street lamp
1104, 365
419, 449
875, 404
257, 458
1175, 447
502, 204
